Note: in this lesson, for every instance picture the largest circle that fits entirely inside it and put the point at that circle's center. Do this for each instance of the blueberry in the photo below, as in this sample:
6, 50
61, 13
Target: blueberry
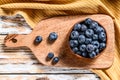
88, 21
92, 54
77, 27
98, 29
84, 54
78, 52
53, 36
83, 27
97, 51
95, 37
102, 46
50, 55
93, 25
82, 47
81, 39
90, 48
38, 39
89, 32
75, 49
55, 59
88, 40
74, 35
102, 36
73, 43
95, 43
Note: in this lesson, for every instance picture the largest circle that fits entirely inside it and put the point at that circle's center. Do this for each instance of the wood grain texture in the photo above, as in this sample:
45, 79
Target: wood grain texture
21, 64
60, 47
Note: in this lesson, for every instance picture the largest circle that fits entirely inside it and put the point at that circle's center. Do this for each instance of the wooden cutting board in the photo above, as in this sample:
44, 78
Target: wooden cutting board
63, 26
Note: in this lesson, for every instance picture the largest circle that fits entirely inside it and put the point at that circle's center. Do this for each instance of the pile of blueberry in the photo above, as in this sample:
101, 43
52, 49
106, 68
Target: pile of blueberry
88, 38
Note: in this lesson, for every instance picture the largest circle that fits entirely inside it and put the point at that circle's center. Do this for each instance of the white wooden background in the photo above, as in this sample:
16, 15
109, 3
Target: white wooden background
21, 64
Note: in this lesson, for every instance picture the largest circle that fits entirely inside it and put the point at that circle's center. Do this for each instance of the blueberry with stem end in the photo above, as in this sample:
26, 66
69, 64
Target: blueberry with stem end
102, 36
95, 43
53, 36
82, 47
89, 32
90, 48
92, 54
102, 46
50, 55
55, 60
88, 21
74, 35
95, 37
77, 27
38, 39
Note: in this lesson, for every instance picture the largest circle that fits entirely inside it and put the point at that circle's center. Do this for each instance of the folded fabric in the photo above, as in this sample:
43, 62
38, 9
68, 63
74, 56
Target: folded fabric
35, 10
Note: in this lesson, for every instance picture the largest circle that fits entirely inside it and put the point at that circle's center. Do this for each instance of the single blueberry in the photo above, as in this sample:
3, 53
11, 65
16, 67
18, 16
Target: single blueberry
97, 51
89, 32
55, 59
74, 35
95, 43
95, 37
53, 36
93, 25
88, 40
102, 36
75, 49
88, 21
38, 39
82, 47
81, 39
102, 46
73, 43
98, 29
77, 27
83, 27
50, 55
92, 54
78, 52
90, 48
84, 54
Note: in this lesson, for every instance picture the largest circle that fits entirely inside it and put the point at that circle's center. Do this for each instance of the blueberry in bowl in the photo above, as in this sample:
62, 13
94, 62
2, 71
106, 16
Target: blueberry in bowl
87, 38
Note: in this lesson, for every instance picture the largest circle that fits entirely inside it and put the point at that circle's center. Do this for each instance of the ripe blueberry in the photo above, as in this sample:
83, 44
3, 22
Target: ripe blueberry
75, 49
77, 27
53, 36
88, 21
55, 59
38, 39
102, 36
74, 35
81, 39
74, 43
84, 54
89, 32
88, 40
82, 47
95, 43
83, 27
95, 37
102, 46
92, 54
90, 48
93, 25
50, 55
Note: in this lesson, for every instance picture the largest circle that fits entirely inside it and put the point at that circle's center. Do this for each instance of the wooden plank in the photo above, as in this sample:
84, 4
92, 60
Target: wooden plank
50, 77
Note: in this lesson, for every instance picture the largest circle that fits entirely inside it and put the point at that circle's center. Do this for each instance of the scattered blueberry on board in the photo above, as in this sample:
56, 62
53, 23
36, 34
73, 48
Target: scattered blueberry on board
53, 36
88, 38
38, 39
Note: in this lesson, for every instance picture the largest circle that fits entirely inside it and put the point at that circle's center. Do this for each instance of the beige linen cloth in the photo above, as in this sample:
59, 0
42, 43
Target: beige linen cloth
35, 10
